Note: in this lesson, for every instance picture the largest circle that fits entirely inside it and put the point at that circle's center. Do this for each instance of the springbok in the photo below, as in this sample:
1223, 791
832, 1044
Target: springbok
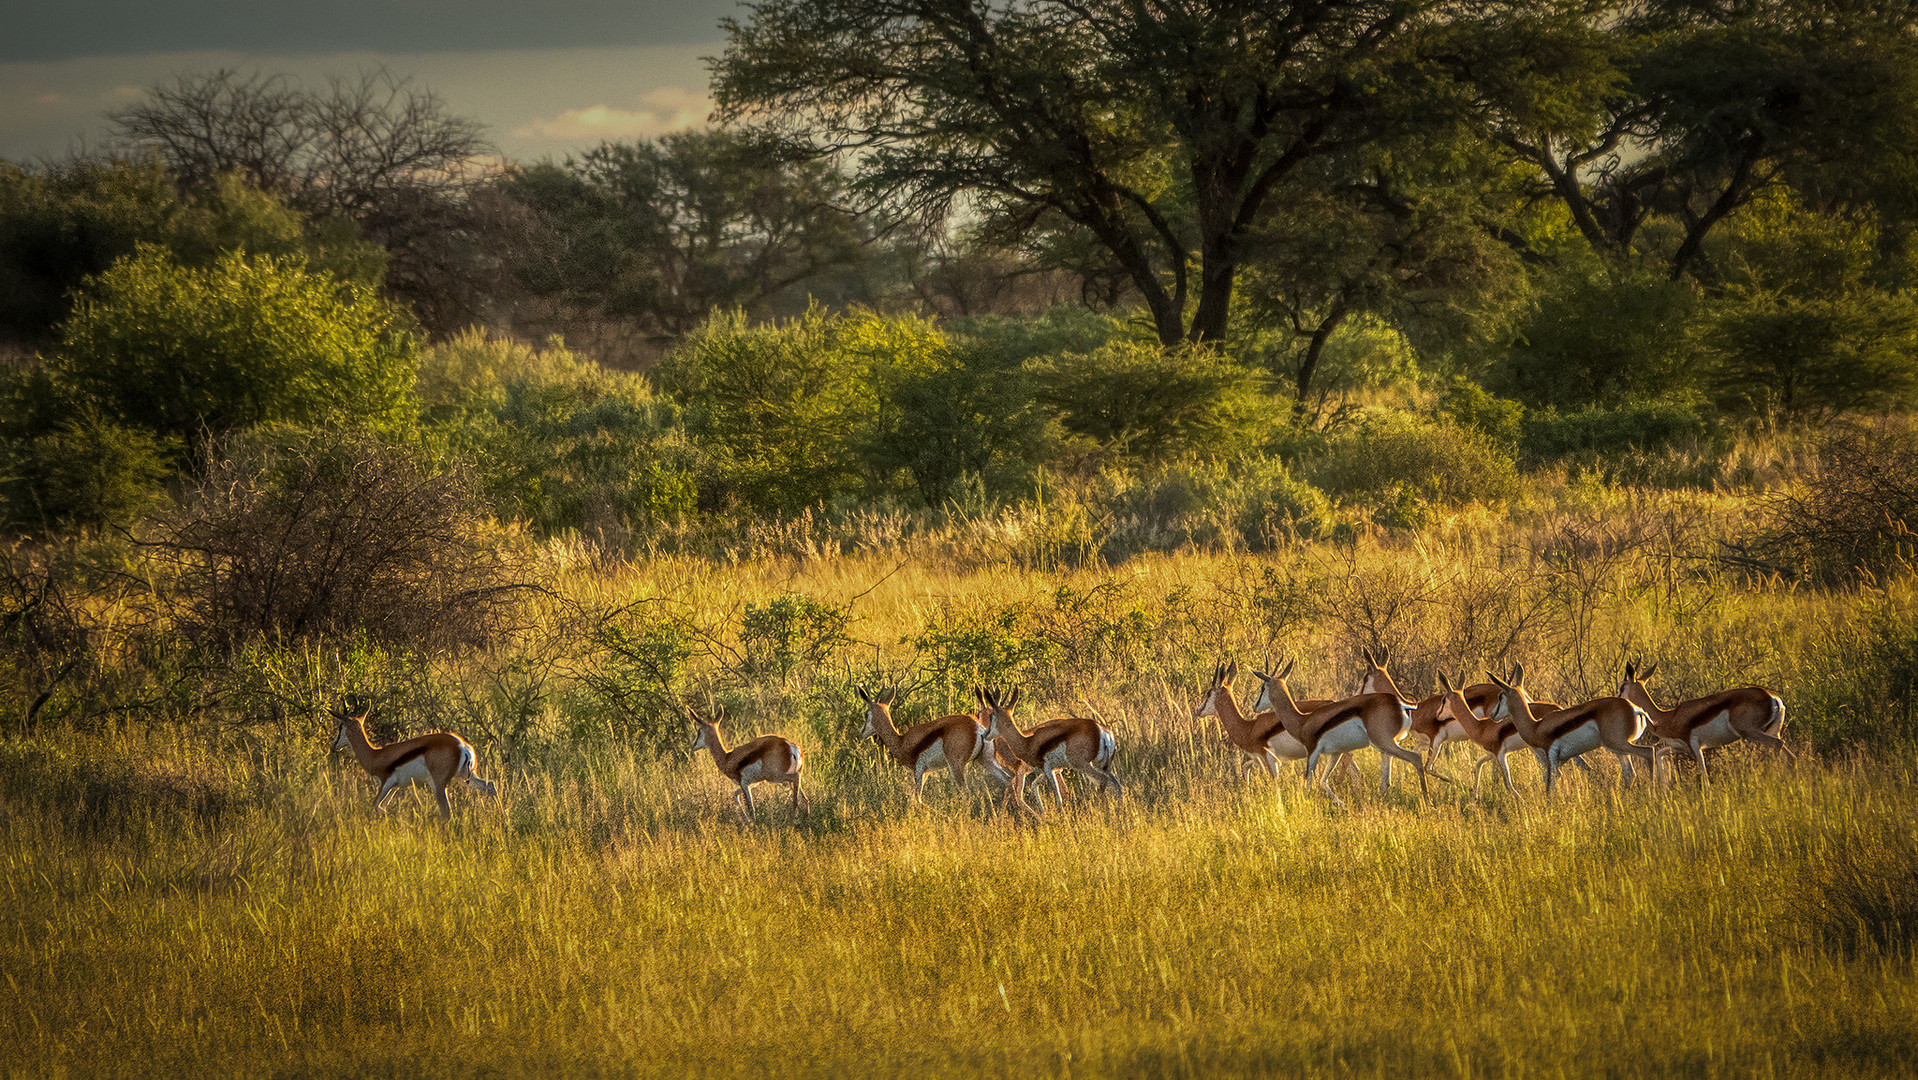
435, 760
953, 741
1375, 720
1262, 738
1429, 732
1070, 742
1749, 712
769, 759
1611, 722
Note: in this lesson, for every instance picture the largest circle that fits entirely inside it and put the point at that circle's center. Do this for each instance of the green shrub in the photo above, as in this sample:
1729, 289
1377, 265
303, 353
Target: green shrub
779, 408
558, 440
1600, 336
1067, 328
246, 341
1143, 403
1467, 404
1252, 503
89, 472
1637, 442
953, 413
1392, 457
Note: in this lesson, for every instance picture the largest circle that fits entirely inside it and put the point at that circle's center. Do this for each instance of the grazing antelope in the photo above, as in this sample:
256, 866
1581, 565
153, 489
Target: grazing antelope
1375, 720
1611, 722
953, 741
1263, 739
1070, 742
435, 760
769, 759
1749, 712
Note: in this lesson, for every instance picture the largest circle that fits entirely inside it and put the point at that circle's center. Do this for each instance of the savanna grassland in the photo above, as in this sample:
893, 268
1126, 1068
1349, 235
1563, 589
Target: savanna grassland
219, 897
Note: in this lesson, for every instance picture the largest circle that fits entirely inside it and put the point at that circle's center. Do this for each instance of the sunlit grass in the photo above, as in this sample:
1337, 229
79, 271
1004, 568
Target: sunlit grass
199, 917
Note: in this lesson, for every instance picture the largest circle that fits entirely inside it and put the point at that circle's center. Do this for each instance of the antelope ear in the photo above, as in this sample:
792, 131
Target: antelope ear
719, 713
1231, 673
1647, 673
863, 695
1445, 682
1369, 658
1518, 674
1014, 699
1501, 683
1262, 676
1385, 656
1287, 669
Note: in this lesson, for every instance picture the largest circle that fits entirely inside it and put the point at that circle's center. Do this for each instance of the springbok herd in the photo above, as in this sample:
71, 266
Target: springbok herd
1498, 718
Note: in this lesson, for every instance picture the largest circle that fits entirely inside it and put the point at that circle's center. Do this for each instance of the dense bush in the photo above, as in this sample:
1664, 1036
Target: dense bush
777, 406
1855, 517
1139, 402
1252, 503
247, 341
558, 441
304, 535
86, 472
1598, 336
1392, 459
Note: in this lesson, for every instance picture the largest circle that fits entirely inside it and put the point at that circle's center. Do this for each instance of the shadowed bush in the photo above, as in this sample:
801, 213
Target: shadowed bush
336, 535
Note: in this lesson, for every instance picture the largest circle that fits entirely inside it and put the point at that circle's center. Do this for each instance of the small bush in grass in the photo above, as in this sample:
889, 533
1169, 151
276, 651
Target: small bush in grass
1468, 405
1253, 503
1143, 403
1438, 463
1623, 442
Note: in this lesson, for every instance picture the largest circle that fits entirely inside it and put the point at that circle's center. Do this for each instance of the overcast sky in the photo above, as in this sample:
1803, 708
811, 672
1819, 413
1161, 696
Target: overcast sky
546, 77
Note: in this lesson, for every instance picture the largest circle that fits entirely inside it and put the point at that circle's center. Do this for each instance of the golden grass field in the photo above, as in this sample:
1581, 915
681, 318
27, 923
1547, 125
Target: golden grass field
203, 900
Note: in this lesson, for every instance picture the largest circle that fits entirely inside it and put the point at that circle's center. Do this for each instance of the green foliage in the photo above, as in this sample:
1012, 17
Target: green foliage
791, 632
954, 413
1466, 404
640, 677
1391, 458
88, 472
64, 224
244, 342
1139, 402
1598, 434
777, 406
1252, 503
1601, 336
559, 441
1066, 328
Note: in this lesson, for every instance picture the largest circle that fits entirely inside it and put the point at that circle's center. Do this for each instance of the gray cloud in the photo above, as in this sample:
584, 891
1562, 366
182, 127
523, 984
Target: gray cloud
64, 29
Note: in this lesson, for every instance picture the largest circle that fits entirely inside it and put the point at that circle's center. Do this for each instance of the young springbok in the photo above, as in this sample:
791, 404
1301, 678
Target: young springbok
1749, 712
1611, 722
769, 759
1494, 738
953, 741
1070, 742
435, 760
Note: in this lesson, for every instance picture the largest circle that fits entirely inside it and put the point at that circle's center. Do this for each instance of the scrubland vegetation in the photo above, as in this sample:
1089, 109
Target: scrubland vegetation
544, 453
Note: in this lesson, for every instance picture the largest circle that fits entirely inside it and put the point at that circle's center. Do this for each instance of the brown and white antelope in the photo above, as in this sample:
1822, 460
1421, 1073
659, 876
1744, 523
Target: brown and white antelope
1375, 720
769, 759
1494, 738
954, 741
1429, 732
1262, 738
1611, 722
1749, 712
435, 760
1070, 742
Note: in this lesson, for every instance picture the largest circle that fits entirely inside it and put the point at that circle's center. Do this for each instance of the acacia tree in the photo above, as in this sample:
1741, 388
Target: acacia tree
663, 231
1681, 113
1161, 129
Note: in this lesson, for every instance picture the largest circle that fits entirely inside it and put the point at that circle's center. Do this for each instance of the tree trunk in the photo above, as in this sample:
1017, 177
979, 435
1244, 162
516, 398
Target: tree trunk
1315, 349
